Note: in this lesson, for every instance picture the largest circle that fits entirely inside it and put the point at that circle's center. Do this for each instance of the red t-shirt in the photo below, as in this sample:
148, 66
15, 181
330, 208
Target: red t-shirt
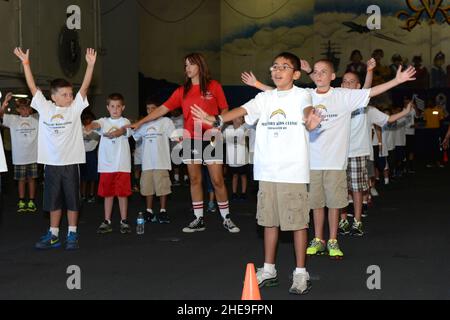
212, 103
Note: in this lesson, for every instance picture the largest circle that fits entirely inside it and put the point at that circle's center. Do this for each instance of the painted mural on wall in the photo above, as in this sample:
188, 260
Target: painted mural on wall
252, 32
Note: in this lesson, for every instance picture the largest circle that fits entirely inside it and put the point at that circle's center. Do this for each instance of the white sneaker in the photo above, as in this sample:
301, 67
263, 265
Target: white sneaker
266, 279
374, 192
300, 283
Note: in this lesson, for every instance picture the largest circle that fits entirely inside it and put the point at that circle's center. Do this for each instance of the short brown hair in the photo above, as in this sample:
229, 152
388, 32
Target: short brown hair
328, 62
116, 97
57, 84
22, 102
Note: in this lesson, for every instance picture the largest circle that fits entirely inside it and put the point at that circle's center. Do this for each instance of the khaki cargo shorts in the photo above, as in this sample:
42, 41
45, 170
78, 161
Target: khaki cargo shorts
283, 205
155, 182
328, 188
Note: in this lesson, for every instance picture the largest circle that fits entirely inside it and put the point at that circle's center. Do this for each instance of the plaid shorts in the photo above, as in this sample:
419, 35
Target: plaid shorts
23, 172
357, 176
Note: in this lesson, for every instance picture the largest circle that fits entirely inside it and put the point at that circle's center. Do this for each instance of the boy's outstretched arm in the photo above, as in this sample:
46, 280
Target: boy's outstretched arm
371, 64
91, 58
200, 115
312, 118
407, 75
401, 114
25, 58
249, 79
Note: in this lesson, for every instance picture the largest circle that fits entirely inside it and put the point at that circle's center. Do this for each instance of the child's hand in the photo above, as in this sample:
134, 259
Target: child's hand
8, 98
371, 64
133, 126
304, 65
116, 133
23, 56
407, 75
200, 115
313, 120
249, 78
91, 56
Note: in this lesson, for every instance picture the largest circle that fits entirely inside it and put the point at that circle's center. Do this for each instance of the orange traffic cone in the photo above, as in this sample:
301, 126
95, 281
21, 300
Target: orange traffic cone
251, 289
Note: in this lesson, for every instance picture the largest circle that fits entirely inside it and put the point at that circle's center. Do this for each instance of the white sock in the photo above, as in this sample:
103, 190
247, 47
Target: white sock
109, 221
162, 211
198, 209
300, 271
186, 178
224, 209
365, 202
55, 231
269, 268
350, 201
386, 180
72, 229
150, 211
176, 177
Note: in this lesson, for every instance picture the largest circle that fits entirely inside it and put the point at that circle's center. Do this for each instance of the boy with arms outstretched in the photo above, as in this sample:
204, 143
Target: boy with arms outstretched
60, 148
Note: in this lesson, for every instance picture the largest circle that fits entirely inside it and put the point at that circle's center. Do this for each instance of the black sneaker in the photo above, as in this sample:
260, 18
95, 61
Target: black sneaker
365, 210
195, 226
234, 197
125, 227
105, 227
150, 217
243, 197
163, 217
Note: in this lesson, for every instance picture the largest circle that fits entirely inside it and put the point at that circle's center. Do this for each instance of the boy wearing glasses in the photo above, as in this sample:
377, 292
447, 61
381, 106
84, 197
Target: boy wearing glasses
329, 145
281, 163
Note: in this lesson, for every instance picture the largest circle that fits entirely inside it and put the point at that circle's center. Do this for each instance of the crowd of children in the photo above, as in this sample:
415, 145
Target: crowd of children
313, 149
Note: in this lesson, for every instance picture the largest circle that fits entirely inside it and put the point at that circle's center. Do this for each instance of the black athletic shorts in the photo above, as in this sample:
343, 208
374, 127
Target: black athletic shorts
62, 188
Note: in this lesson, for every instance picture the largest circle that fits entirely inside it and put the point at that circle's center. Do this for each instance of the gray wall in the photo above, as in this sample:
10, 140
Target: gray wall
119, 55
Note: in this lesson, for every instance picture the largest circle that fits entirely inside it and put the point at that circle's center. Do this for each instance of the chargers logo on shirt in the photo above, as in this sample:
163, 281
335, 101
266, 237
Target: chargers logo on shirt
280, 112
321, 107
57, 117
25, 129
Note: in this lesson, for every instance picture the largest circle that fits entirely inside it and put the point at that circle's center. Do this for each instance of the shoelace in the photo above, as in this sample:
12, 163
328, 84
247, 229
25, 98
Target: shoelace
333, 245
315, 242
195, 223
230, 224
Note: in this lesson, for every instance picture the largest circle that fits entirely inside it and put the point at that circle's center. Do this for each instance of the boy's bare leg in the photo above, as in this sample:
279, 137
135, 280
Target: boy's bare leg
270, 244
83, 188
55, 218
21, 184
72, 217
149, 202
333, 222
92, 188
163, 200
32, 188
300, 244
123, 206
109, 202
357, 204
319, 220
235, 183
244, 183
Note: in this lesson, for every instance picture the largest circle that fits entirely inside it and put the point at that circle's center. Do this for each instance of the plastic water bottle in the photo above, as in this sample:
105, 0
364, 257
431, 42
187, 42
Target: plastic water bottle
140, 225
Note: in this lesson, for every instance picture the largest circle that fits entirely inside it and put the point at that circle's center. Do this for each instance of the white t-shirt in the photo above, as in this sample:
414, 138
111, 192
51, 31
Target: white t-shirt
24, 138
329, 143
399, 133
138, 153
389, 138
237, 153
155, 137
60, 137
281, 143
91, 140
3, 166
374, 116
251, 142
410, 121
114, 154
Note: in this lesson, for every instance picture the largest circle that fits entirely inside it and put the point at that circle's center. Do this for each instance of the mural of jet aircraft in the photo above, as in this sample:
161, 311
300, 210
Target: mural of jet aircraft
359, 28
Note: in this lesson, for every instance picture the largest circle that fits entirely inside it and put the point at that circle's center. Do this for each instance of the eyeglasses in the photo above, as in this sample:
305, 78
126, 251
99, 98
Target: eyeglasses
283, 67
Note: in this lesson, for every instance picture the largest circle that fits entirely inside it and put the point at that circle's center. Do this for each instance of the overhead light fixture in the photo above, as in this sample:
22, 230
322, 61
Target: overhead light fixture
20, 95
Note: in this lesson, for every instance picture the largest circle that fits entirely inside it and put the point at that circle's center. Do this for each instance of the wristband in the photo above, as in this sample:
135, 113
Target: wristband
310, 73
26, 62
258, 84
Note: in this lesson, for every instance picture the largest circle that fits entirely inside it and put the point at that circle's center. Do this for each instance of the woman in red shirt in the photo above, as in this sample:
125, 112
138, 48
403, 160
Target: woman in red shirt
199, 142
